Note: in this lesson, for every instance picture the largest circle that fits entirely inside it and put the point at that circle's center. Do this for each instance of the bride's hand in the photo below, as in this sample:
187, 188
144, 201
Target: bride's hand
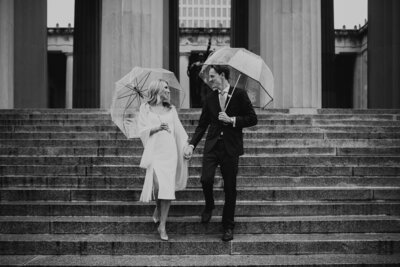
188, 152
164, 126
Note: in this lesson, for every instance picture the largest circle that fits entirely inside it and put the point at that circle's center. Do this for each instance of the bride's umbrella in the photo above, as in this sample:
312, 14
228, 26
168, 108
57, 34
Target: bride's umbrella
131, 91
247, 71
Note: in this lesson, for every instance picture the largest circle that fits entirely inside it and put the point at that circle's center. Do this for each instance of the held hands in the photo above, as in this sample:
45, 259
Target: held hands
224, 118
188, 152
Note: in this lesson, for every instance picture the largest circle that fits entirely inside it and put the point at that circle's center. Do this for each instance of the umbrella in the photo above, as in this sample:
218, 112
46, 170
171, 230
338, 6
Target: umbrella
247, 71
131, 91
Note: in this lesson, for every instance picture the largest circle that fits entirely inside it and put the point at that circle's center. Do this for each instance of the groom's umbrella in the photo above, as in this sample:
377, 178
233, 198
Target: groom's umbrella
131, 91
247, 71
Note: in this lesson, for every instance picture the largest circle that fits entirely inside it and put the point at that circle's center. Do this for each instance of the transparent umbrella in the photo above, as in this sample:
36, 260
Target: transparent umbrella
247, 71
131, 91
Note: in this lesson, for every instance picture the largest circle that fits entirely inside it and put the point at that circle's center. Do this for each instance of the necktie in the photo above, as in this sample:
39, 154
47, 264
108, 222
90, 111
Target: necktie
222, 100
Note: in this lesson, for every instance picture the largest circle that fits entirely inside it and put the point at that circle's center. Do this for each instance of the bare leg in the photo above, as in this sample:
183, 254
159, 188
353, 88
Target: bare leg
165, 204
157, 210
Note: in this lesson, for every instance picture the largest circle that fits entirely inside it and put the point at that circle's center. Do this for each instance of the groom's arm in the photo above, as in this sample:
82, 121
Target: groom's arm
201, 128
248, 116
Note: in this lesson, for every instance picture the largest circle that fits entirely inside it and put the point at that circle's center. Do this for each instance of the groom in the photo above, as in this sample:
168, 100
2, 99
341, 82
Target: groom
226, 112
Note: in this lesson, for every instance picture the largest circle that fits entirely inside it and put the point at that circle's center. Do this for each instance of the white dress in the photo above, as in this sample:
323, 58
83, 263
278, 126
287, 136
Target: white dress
163, 153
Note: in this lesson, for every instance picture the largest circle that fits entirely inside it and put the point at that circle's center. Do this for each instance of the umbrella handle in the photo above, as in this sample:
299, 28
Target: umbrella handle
233, 90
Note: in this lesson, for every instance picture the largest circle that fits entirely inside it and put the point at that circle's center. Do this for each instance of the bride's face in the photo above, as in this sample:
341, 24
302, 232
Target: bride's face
165, 94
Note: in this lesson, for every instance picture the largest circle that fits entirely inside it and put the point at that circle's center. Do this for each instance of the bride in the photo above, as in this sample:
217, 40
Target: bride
164, 140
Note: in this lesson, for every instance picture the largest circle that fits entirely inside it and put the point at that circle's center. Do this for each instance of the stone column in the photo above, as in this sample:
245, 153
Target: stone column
87, 30
171, 37
328, 54
254, 27
240, 23
360, 80
69, 81
383, 54
30, 54
134, 33
290, 37
184, 78
7, 54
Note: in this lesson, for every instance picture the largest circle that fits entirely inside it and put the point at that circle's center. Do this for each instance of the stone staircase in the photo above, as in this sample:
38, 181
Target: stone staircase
321, 189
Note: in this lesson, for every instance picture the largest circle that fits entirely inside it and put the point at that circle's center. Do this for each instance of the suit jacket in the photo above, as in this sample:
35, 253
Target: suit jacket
240, 107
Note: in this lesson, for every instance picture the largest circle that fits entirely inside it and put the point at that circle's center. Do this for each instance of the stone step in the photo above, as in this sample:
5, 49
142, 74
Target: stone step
195, 116
79, 145
65, 111
136, 181
371, 135
194, 208
326, 260
120, 136
355, 122
131, 151
196, 194
70, 184
196, 170
354, 111
263, 160
260, 244
188, 123
191, 225
258, 134
275, 128
368, 151
109, 122
197, 110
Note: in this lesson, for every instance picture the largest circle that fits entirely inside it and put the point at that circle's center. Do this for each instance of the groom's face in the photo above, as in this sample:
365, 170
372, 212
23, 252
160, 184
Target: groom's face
215, 80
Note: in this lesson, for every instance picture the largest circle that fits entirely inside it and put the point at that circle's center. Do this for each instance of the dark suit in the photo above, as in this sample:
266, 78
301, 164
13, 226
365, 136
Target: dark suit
223, 146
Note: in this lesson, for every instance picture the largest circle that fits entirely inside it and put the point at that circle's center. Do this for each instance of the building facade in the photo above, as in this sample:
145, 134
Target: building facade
351, 68
295, 38
204, 13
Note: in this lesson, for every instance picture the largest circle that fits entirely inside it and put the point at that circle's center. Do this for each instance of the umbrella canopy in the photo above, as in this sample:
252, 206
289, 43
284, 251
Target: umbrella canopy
131, 91
247, 71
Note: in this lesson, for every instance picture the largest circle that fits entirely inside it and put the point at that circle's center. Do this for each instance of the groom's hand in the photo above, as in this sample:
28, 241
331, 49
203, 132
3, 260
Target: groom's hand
224, 118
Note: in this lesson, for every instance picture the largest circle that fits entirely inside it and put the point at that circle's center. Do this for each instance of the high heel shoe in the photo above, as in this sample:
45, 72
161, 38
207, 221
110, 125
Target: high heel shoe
163, 234
156, 219
156, 216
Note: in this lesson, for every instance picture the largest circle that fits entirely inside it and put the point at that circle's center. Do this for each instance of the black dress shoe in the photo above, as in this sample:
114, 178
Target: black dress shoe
206, 216
228, 235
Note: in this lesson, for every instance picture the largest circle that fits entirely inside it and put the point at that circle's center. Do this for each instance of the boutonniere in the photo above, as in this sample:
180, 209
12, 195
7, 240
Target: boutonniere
229, 95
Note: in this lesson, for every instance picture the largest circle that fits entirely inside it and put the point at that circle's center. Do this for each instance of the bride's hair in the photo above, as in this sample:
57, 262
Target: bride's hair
156, 88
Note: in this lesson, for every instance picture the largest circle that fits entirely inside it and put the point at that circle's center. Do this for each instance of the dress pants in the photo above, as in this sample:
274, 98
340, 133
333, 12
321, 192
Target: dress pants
229, 168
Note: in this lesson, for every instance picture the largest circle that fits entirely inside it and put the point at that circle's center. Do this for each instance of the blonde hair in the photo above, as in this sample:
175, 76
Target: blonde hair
155, 88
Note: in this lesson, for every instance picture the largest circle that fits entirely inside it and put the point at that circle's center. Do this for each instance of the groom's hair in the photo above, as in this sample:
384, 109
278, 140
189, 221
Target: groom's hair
221, 69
